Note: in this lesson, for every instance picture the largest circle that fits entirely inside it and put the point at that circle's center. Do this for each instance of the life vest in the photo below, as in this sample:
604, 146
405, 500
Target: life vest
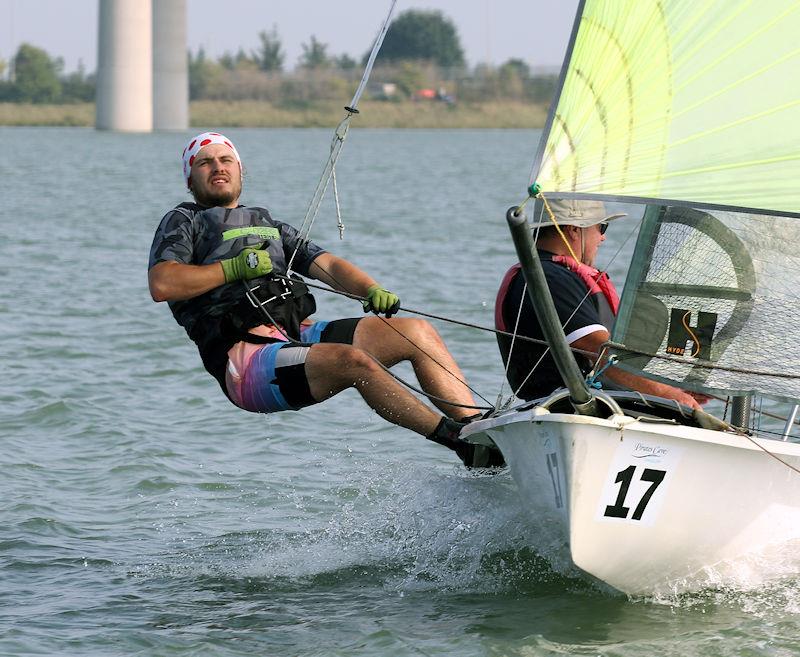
597, 283
594, 280
221, 317
287, 302
527, 355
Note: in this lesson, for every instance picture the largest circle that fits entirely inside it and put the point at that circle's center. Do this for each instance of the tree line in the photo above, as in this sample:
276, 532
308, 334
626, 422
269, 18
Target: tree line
421, 53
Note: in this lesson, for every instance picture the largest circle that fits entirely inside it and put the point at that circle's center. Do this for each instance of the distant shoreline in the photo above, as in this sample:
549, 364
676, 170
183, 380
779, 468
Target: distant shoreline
258, 114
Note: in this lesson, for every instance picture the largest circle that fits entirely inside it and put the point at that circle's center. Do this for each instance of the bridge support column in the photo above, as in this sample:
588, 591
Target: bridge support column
125, 66
170, 66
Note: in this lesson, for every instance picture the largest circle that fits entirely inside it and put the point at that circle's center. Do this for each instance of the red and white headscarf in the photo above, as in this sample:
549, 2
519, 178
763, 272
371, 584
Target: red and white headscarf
198, 142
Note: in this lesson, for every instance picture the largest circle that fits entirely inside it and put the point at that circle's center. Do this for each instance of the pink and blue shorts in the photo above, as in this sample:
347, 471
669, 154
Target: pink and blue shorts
265, 378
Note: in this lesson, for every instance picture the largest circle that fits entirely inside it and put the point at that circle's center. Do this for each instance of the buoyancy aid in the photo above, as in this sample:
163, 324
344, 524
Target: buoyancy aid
218, 319
597, 283
526, 355
594, 280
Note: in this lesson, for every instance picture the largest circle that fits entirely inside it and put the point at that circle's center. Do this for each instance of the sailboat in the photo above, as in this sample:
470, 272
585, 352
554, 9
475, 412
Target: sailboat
692, 109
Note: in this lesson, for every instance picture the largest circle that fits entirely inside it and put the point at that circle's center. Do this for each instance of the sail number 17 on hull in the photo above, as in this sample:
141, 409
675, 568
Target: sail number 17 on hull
624, 478
636, 482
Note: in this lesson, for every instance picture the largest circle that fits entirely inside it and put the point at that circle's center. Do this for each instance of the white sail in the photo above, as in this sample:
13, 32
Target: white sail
713, 295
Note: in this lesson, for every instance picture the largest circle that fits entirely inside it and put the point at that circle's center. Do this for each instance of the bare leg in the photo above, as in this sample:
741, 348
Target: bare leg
331, 368
436, 369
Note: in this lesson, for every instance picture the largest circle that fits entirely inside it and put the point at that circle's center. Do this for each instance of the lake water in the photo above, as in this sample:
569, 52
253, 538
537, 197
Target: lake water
143, 514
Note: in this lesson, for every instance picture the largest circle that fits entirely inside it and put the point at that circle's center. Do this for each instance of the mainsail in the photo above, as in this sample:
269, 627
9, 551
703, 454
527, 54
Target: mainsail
693, 107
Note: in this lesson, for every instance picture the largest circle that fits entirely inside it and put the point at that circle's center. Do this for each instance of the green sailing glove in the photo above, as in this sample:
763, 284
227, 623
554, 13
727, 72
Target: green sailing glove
381, 301
250, 263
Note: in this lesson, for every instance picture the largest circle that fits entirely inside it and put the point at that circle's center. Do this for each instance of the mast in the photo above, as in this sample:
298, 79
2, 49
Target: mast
538, 291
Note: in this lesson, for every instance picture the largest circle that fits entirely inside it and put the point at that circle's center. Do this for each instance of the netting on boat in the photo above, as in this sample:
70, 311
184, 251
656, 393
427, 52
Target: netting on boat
713, 298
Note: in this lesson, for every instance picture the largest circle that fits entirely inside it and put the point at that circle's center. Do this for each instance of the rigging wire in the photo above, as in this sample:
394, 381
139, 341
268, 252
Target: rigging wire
340, 134
528, 339
328, 175
442, 318
768, 452
357, 297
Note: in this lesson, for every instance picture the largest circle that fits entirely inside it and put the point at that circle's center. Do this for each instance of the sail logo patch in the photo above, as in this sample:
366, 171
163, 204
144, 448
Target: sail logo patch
683, 333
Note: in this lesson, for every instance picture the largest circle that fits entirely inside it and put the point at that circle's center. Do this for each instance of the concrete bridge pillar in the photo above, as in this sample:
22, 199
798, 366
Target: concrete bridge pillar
125, 66
170, 66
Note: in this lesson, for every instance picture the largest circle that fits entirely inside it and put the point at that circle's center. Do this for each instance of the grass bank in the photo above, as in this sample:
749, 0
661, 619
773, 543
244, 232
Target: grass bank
79, 114
373, 115
258, 114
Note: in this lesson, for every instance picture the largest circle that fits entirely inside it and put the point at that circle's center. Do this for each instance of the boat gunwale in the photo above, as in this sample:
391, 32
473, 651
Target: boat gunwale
540, 415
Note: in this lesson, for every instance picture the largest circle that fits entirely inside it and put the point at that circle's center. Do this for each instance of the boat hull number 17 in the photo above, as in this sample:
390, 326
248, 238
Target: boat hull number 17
637, 482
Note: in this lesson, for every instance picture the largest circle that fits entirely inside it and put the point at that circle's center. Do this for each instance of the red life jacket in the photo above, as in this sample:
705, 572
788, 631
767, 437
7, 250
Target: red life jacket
596, 282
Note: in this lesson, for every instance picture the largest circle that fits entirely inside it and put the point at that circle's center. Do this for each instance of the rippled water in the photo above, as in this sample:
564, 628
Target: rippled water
144, 514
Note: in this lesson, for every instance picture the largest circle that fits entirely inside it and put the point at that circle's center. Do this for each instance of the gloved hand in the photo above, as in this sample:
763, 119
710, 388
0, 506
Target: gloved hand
250, 263
381, 301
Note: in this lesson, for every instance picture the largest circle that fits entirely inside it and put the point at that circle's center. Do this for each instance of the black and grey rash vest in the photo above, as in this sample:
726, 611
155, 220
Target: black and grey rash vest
216, 320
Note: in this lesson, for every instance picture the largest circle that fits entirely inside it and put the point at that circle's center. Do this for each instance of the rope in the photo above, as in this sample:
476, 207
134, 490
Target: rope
593, 380
511, 347
339, 222
441, 318
557, 227
394, 328
769, 453
258, 304
521, 337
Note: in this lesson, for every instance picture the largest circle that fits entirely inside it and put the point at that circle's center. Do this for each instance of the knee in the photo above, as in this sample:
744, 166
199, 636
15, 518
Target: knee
420, 330
357, 362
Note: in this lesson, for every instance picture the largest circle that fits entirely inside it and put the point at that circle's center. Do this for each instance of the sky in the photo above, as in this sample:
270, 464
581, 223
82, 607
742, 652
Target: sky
491, 30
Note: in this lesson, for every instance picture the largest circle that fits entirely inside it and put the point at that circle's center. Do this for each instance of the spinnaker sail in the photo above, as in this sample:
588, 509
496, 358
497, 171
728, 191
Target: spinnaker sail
686, 101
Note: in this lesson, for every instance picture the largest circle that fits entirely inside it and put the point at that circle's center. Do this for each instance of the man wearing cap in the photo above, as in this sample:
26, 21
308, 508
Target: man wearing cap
585, 300
226, 271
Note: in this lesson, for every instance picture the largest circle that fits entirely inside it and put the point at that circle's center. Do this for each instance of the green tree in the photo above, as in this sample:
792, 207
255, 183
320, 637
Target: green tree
314, 54
77, 87
36, 76
269, 55
240, 60
201, 71
516, 67
423, 35
344, 62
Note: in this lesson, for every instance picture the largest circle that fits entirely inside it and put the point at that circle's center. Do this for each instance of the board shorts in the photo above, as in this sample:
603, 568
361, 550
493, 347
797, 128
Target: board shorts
266, 378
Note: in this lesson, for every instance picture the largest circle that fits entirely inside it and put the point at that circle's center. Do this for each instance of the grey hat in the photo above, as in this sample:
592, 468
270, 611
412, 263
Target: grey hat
572, 213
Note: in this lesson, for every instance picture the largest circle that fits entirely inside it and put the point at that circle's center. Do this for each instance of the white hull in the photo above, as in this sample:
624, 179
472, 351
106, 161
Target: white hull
645, 507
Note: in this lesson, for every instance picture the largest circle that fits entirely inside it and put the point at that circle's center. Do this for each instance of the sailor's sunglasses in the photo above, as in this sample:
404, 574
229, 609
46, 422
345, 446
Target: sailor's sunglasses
603, 228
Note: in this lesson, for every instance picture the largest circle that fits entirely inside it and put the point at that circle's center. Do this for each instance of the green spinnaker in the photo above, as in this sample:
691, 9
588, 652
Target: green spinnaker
692, 101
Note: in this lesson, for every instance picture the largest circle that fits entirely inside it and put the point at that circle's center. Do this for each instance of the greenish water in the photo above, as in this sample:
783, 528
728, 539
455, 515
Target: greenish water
144, 514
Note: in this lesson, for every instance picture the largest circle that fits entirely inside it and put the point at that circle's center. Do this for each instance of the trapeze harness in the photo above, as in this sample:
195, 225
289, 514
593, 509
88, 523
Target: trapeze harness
597, 283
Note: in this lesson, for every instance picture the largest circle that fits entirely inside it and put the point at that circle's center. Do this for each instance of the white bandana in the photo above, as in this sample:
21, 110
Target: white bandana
198, 142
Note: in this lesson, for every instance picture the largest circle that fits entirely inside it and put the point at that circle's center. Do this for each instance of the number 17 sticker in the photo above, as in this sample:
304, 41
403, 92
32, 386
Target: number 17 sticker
637, 482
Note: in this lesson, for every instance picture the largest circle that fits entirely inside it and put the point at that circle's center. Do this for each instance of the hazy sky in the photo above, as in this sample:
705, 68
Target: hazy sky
490, 30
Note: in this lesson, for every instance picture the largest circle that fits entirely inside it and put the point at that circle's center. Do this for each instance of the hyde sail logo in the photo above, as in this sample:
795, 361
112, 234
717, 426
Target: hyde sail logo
685, 336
